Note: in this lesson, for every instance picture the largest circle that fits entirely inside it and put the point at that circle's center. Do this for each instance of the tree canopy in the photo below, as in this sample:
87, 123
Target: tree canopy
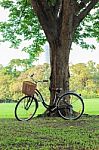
23, 24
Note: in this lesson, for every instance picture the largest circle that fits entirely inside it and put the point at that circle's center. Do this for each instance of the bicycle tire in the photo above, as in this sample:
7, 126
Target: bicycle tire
70, 106
26, 108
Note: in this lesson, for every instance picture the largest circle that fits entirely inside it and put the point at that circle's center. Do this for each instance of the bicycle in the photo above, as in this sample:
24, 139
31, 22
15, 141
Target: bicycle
70, 106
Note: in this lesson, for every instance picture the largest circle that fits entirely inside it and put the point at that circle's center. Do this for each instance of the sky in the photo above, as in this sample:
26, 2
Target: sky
77, 55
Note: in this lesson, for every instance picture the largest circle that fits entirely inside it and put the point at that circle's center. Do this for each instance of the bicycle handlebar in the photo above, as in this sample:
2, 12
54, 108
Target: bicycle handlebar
31, 76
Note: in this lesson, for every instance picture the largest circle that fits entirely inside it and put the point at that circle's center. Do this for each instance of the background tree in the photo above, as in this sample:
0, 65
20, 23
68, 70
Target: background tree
97, 78
11, 83
79, 76
84, 79
62, 22
5, 80
23, 63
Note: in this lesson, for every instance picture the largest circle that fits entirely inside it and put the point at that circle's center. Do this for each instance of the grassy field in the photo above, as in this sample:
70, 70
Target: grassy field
91, 108
50, 134
7, 110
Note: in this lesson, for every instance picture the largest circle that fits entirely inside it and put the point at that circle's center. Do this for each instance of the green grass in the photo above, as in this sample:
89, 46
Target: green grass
7, 109
50, 134
92, 106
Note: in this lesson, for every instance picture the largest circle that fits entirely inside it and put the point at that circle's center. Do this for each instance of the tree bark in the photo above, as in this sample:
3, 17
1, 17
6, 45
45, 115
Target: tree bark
60, 49
59, 62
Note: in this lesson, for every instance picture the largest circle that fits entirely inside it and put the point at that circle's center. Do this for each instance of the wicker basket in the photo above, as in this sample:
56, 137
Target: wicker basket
28, 88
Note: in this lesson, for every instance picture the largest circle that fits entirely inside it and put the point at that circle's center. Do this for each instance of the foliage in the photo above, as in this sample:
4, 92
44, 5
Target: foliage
23, 63
4, 88
89, 28
5, 81
84, 79
11, 80
23, 24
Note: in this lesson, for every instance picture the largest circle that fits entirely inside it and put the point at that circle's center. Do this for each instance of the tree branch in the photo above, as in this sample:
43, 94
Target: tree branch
45, 16
81, 5
85, 12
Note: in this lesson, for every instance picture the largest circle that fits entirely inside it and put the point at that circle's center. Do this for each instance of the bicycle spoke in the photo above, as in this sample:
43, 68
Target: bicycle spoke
70, 106
25, 108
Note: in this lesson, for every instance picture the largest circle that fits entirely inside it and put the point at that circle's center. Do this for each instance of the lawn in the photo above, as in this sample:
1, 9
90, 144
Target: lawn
50, 134
91, 108
7, 110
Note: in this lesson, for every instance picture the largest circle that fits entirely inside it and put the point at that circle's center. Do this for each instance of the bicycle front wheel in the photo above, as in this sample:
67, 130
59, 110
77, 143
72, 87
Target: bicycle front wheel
70, 106
26, 108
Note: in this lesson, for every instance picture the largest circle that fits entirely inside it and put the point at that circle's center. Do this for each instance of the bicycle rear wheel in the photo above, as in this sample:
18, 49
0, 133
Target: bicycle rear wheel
26, 108
70, 106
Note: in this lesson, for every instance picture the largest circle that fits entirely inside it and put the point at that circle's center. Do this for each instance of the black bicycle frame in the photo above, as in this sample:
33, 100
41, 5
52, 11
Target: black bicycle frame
43, 100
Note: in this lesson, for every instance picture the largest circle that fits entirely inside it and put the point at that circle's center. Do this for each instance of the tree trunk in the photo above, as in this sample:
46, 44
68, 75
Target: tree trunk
59, 61
59, 32
60, 49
